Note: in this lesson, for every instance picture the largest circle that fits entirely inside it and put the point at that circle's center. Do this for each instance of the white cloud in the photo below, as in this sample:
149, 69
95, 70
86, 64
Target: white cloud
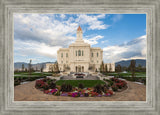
42, 34
41, 28
62, 16
33, 49
92, 21
93, 40
105, 41
135, 49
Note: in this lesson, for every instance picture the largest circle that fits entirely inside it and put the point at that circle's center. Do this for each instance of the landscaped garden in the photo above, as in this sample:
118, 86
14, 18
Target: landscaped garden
20, 77
139, 76
80, 88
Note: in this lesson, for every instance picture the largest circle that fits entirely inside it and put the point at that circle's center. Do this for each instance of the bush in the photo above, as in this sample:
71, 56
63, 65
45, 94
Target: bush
104, 88
110, 82
52, 85
66, 87
114, 88
81, 86
98, 89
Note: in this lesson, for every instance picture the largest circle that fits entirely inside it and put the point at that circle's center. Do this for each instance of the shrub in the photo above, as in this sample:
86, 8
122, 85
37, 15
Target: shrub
81, 86
49, 81
52, 85
98, 89
114, 88
66, 87
41, 84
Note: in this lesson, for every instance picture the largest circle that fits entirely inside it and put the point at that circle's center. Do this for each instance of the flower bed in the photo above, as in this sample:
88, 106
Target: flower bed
116, 84
67, 89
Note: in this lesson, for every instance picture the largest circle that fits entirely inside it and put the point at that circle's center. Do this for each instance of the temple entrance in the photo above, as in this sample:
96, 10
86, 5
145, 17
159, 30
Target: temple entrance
79, 68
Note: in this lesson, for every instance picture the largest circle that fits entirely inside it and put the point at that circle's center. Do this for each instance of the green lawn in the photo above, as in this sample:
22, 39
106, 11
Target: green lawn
129, 74
75, 83
33, 74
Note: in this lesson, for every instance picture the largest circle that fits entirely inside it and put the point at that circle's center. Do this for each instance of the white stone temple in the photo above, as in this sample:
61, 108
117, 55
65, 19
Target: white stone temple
81, 57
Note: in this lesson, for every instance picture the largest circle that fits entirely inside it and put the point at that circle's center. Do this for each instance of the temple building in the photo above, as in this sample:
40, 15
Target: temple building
81, 57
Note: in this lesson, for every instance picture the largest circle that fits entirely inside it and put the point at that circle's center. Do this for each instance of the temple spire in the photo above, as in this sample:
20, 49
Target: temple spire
79, 34
79, 29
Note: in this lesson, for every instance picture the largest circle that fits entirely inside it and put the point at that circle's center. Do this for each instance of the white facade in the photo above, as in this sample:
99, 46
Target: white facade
80, 56
49, 67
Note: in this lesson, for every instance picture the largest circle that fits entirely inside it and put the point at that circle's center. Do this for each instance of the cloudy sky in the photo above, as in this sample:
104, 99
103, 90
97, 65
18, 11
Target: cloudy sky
39, 36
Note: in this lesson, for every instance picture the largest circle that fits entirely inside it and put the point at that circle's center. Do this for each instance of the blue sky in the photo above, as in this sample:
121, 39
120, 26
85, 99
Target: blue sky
39, 36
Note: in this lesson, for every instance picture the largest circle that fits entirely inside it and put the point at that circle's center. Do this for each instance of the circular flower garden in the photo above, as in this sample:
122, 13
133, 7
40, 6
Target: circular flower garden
107, 88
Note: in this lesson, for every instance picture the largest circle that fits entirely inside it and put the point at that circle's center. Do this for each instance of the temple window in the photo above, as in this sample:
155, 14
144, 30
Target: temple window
66, 54
79, 52
82, 52
97, 54
61, 54
92, 54
76, 53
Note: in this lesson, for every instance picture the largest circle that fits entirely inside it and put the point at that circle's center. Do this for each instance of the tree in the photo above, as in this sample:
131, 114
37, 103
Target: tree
102, 67
56, 68
42, 67
133, 67
22, 67
106, 69
118, 69
30, 67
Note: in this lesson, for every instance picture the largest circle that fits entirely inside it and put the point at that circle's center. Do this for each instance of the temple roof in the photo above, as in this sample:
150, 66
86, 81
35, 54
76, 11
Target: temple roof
79, 29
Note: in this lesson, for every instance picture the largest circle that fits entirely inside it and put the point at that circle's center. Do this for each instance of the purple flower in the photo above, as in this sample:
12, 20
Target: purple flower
64, 94
99, 95
81, 95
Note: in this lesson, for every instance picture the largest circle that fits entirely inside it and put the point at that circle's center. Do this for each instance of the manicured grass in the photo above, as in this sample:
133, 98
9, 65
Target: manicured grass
33, 74
128, 74
86, 83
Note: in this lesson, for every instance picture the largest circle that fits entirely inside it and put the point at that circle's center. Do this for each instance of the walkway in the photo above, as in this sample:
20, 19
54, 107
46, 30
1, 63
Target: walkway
27, 92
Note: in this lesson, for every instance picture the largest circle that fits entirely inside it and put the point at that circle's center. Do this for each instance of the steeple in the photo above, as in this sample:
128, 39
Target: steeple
79, 29
79, 34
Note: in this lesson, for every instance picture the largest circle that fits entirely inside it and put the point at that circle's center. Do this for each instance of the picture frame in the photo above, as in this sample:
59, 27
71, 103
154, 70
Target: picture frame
150, 106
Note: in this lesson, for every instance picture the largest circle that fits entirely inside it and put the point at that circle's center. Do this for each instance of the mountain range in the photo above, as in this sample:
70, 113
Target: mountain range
126, 63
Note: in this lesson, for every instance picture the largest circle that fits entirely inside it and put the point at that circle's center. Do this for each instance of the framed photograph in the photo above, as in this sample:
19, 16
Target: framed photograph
80, 57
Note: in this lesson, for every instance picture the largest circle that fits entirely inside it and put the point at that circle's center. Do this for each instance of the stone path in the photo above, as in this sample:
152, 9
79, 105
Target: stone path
27, 92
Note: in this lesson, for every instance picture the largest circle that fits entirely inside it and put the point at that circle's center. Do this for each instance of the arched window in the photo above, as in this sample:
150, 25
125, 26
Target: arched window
97, 54
79, 52
76, 52
82, 52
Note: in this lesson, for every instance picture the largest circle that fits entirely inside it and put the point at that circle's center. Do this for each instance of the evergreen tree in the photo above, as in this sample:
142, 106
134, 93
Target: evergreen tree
102, 67
106, 69
22, 67
30, 67
133, 67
